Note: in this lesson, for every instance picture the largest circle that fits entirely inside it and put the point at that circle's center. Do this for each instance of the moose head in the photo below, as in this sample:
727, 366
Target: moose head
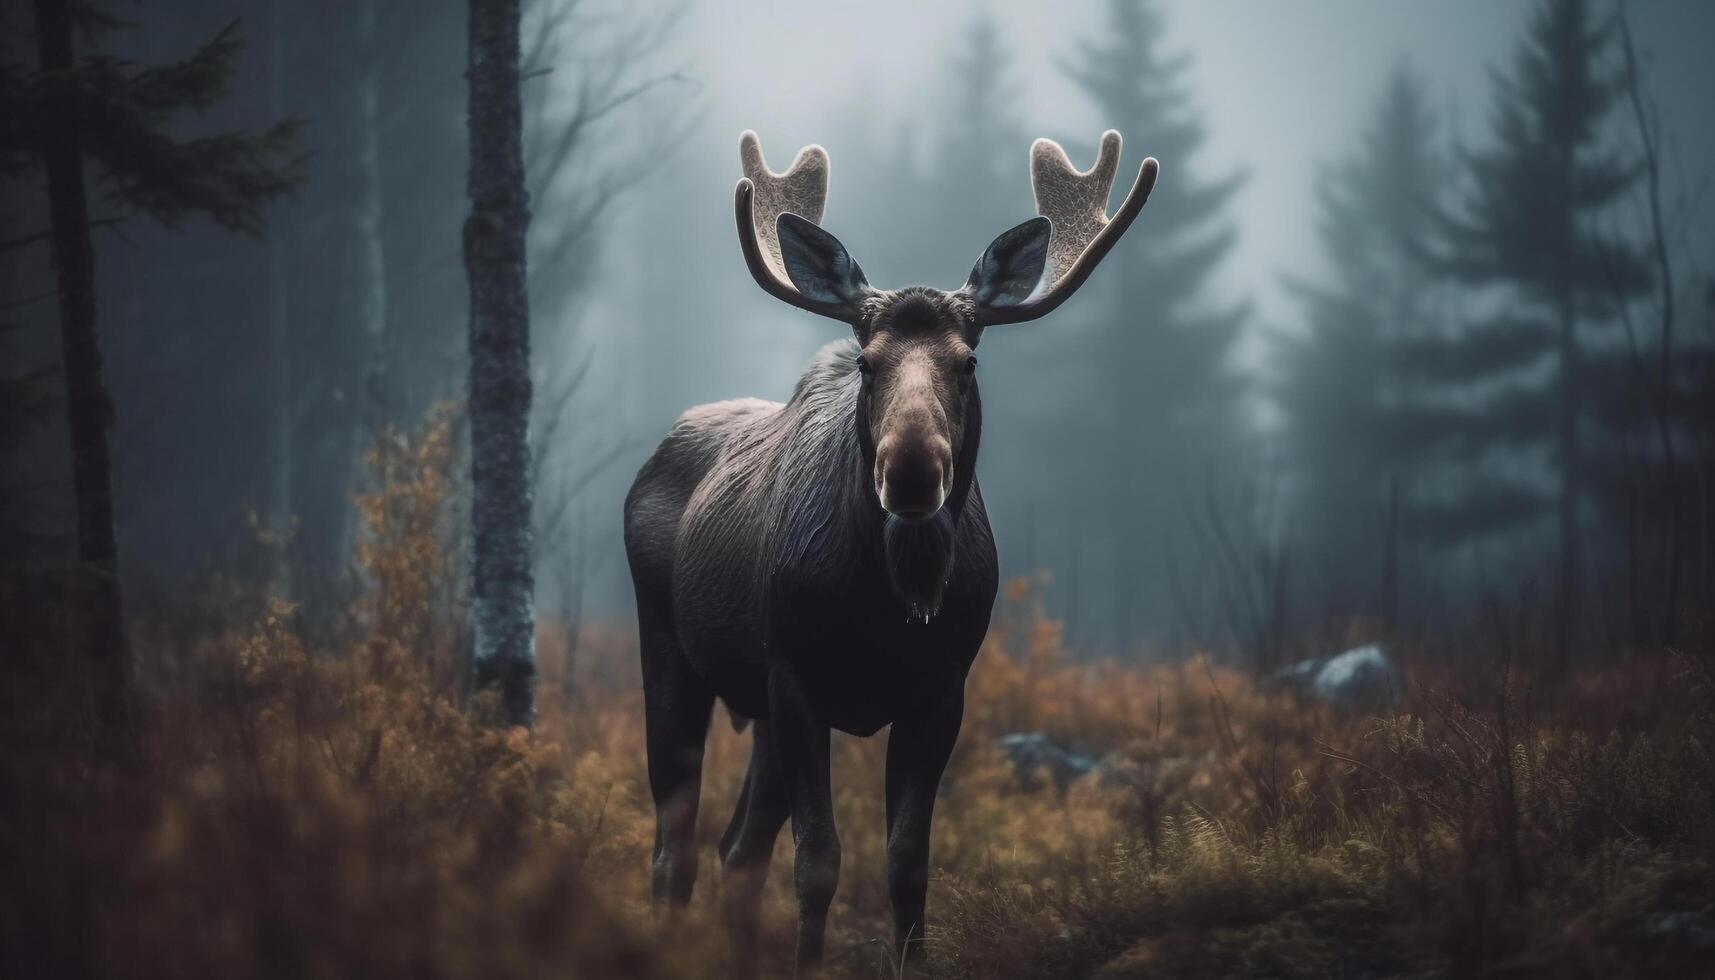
917, 345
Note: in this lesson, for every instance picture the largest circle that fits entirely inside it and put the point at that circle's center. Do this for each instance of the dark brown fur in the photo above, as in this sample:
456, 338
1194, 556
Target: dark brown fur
822, 564
768, 573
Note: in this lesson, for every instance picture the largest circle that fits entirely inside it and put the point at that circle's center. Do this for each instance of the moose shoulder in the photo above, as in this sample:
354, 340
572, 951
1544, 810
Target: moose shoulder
777, 551
827, 563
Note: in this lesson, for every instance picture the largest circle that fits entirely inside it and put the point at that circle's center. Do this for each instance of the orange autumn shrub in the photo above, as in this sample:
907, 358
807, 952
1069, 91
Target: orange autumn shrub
325, 802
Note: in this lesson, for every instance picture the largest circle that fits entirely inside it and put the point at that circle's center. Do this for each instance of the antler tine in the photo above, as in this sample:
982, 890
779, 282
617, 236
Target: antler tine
1076, 204
1075, 201
761, 197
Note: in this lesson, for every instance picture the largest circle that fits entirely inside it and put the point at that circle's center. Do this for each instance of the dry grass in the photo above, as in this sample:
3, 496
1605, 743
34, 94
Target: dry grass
332, 812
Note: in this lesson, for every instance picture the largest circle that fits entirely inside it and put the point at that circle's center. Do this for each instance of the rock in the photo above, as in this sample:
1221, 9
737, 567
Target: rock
1034, 755
1361, 679
1687, 928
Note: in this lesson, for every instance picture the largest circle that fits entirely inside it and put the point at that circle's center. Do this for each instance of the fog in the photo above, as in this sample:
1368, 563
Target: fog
1104, 463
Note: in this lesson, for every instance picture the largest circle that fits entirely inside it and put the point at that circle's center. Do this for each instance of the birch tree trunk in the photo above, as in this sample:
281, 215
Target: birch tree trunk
500, 389
89, 408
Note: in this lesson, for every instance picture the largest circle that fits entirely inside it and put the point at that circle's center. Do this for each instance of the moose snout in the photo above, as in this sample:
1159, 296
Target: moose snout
912, 479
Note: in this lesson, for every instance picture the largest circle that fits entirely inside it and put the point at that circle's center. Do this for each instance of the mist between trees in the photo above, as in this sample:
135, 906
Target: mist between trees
1495, 377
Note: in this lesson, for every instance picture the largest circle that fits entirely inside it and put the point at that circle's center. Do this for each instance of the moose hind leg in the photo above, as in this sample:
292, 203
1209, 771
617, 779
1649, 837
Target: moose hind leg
749, 844
736, 824
676, 704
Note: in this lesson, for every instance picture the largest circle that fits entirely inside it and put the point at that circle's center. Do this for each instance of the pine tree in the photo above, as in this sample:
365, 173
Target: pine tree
25, 406
1528, 223
982, 139
1637, 472
961, 168
1170, 419
978, 154
500, 387
1361, 429
101, 110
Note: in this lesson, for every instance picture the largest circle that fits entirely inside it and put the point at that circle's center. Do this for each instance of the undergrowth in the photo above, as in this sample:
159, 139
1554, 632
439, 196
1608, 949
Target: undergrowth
323, 802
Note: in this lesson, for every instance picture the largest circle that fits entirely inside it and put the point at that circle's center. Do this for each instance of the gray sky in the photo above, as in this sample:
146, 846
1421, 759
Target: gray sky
1282, 88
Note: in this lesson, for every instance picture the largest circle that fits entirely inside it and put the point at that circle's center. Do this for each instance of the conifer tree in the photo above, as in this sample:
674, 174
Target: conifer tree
25, 406
962, 167
1361, 432
978, 152
95, 114
1163, 340
1529, 223
1637, 471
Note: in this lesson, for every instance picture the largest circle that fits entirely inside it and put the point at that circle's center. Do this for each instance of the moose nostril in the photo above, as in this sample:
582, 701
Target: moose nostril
913, 468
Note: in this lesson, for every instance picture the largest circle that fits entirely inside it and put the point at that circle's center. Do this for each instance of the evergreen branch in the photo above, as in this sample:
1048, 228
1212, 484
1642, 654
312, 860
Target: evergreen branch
231, 178
198, 82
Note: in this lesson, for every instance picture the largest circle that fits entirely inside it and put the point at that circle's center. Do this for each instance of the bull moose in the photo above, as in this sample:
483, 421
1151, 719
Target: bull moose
827, 563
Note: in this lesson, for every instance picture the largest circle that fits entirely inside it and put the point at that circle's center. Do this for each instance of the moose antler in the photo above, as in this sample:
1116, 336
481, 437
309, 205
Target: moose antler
761, 198
1076, 204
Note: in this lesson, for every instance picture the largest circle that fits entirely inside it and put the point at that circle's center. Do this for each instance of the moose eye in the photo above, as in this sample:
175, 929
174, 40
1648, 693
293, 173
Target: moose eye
863, 365
971, 364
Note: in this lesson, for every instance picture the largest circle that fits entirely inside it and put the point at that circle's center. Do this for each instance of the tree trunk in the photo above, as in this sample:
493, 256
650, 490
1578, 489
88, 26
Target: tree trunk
371, 414
1390, 558
89, 409
1649, 138
281, 401
500, 390
1566, 585
371, 250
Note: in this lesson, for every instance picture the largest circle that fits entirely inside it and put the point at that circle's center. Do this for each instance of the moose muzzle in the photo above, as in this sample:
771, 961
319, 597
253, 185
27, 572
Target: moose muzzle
913, 476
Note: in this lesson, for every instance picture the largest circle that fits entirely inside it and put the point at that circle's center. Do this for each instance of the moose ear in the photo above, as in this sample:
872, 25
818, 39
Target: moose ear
818, 264
1011, 266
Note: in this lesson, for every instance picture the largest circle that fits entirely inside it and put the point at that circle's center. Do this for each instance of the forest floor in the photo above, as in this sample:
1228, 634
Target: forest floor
302, 814
309, 799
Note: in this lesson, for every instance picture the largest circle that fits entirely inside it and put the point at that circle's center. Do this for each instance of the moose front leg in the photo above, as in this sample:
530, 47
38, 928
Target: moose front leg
917, 751
747, 846
801, 748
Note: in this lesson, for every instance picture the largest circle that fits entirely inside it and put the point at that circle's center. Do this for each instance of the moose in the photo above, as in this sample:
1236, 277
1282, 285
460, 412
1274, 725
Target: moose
827, 563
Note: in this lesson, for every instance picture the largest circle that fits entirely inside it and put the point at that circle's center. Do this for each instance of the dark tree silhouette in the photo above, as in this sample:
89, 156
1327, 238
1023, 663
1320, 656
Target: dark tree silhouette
1528, 222
982, 142
1362, 430
1639, 393
118, 116
500, 388
25, 405
1163, 345
978, 153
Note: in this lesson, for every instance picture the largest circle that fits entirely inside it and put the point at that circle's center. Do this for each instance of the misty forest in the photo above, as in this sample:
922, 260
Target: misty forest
1350, 604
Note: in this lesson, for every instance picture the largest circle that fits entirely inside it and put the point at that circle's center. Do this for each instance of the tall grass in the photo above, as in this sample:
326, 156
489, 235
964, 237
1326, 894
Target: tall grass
321, 803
